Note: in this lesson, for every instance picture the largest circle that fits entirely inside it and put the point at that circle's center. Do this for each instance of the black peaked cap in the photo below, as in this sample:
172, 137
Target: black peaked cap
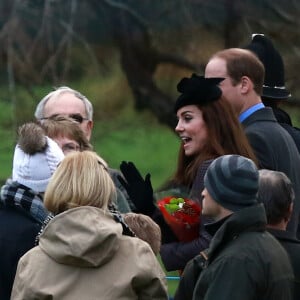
274, 84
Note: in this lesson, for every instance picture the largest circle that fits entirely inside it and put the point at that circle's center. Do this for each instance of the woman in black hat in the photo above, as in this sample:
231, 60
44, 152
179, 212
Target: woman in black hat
208, 128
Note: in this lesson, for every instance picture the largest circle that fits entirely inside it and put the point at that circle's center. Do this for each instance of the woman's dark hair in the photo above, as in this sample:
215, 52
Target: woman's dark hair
226, 136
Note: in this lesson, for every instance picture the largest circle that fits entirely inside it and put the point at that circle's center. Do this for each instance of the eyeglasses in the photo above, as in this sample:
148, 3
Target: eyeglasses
70, 147
76, 117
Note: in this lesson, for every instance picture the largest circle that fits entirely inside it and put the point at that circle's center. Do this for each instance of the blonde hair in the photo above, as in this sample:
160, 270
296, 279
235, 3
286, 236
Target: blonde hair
145, 229
80, 180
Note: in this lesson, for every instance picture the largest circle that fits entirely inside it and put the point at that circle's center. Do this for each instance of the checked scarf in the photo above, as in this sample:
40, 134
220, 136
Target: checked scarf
14, 194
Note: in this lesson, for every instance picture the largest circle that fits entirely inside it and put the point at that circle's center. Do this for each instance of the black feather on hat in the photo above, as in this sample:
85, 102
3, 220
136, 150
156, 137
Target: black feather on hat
197, 90
274, 85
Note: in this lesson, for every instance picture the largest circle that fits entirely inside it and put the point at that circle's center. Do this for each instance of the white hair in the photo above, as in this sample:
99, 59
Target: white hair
39, 111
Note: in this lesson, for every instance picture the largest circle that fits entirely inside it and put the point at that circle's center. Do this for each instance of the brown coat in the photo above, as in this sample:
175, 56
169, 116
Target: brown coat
83, 255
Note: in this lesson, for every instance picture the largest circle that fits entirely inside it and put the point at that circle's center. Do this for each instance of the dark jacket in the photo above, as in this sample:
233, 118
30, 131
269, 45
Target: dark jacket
21, 217
292, 247
275, 150
175, 255
243, 262
123, 202
285, 121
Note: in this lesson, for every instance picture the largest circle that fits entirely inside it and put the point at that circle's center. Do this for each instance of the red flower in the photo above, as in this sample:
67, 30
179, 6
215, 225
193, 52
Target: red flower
185, 220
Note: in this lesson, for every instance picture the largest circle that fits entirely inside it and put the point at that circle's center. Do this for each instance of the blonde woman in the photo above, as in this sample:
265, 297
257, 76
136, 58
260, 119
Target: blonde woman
82, 253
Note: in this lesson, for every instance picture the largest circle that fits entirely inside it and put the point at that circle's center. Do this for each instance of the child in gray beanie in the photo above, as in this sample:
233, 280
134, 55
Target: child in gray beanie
36, 157
22, 211
232, 181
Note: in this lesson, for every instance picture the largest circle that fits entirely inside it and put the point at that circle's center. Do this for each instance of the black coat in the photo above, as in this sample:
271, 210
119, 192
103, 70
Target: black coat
292, 247
285, 121
18, 231
22, 214
275, 150
243, 261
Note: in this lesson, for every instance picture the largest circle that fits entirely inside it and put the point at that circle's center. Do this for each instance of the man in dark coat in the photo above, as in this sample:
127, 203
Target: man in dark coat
274, 91
277, 194
243, 260
242, 87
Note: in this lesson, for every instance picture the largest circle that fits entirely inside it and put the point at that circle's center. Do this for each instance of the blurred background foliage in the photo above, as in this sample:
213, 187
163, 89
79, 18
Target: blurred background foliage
126, 56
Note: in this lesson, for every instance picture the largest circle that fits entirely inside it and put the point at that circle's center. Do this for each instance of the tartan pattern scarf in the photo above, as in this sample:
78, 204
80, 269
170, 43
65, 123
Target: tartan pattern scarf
14, 194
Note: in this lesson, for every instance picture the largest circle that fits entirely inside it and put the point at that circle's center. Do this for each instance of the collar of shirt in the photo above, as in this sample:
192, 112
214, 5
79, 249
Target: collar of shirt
250, 111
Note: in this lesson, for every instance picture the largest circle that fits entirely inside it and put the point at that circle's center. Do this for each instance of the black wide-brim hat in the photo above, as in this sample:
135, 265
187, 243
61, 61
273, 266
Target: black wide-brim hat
274, 83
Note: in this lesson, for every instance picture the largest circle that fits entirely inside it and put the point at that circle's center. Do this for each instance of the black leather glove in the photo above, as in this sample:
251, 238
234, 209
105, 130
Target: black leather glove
139, 189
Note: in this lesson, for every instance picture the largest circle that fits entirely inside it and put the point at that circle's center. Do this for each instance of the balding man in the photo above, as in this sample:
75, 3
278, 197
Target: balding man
68, 102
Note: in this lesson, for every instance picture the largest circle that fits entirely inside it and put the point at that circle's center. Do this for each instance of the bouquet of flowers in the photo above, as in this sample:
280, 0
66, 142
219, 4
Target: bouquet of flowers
182, 215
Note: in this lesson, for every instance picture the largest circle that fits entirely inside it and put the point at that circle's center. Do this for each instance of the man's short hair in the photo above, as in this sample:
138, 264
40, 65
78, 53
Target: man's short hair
276, 193
39, 112
242, 62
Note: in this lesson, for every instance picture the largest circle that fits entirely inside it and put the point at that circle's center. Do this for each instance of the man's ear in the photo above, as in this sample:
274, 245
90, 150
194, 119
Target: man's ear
246, 84
89, 128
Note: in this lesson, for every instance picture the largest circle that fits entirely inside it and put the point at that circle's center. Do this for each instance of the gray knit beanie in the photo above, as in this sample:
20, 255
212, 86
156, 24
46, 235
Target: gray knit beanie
232, 181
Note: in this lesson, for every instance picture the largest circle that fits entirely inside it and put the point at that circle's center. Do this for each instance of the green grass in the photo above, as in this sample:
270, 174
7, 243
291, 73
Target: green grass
172, 284
140, 139
119, 132
6, 155
294, 113
7, 140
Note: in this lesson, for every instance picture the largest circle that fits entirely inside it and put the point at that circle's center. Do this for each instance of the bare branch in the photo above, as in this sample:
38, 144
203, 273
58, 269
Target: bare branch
130, 11
280, 12
179, 61
42, 29
10, 70
69, 37
50, 63
86, 45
